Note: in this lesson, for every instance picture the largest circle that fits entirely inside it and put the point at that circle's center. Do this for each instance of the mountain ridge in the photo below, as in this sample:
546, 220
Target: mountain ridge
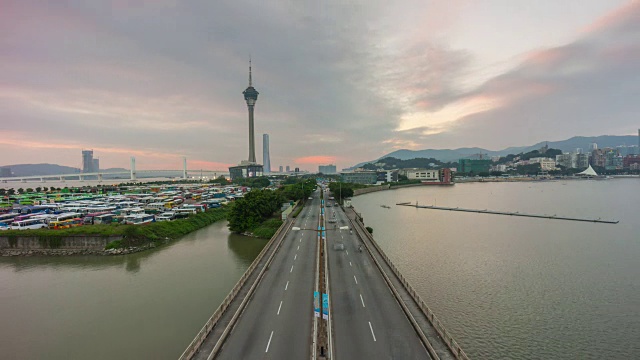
571, 144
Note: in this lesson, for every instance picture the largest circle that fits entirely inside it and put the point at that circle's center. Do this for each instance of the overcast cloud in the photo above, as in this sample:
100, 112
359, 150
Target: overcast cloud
338, 83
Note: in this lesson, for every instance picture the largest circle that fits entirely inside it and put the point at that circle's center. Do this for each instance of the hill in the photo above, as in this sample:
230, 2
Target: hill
449, 155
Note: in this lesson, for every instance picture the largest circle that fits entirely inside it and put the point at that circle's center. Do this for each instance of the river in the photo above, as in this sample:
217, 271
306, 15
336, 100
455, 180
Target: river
146, 305
521, 288
505, 287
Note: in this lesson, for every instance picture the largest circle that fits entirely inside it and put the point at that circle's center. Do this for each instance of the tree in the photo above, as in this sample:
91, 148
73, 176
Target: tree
11, 191
38, 189
20, 190
29, 190
2, 192
255, 207
221, 180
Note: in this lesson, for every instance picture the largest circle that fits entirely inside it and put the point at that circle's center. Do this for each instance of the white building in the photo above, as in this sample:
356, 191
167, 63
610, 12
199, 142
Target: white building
422, 174
545, 163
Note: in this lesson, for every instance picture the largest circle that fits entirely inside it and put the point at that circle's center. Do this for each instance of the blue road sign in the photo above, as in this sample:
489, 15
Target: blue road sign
325, 306
316, 304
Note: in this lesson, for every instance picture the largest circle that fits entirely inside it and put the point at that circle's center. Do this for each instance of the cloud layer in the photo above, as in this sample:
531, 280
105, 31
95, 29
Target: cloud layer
338, 83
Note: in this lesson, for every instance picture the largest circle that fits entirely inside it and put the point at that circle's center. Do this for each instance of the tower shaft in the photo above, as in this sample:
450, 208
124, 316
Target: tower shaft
252, 145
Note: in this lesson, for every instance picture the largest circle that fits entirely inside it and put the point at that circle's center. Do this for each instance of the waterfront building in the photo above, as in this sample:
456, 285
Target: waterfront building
546, 164
567, 160
387, 176
248, 168
630, 160
87, 161
95, 166
288, 168
422, 174
475, 166
327, 169
266, 159
359, 177
582, 161
280, 168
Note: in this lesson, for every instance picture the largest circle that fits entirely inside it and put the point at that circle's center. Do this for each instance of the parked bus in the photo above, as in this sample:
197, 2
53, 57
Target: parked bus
65, 224
140, 219
64, 216
7, 218
103, 219
89, 219
38, 209
28, 224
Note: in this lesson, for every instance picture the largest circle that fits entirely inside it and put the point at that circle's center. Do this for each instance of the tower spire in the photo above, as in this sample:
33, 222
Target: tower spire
249, 70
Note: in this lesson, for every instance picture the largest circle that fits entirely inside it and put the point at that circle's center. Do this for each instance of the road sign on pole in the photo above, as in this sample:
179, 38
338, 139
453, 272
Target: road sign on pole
325, 306
316, 304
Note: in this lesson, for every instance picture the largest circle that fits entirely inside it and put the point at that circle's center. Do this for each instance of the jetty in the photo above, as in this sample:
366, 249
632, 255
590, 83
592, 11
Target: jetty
485, 211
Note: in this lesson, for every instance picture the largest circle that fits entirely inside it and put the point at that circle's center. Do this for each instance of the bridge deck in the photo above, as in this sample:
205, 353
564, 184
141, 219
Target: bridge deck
216, 333
437, 343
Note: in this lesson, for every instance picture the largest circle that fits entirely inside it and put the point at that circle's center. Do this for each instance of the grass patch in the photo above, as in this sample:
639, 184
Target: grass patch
267, 229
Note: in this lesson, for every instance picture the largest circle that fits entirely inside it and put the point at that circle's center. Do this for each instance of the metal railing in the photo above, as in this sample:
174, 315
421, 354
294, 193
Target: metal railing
213, 320
437, 325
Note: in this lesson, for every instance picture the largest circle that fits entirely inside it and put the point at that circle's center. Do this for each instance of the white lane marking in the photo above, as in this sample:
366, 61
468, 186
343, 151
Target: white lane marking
298, 247
286, 286
361, 299
292, 269
347, 252
295, 257
300, 239
350, 263
372, 334
279, 307
354, 278
270, 336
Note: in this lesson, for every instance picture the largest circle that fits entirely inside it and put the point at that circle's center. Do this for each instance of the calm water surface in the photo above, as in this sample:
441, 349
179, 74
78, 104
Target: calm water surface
146, 305
522, 288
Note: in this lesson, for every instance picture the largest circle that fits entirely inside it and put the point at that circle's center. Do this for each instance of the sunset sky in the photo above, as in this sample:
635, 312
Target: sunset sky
340, 81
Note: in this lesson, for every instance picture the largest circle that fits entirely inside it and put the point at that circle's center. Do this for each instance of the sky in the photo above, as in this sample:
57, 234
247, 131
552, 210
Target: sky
340, 82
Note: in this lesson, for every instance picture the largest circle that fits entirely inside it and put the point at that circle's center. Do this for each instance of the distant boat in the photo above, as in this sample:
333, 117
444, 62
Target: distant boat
386, 206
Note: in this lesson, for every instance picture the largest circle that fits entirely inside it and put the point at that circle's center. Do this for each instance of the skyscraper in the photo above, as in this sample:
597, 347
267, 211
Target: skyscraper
266, 160
251, 96
87, 161
280, 168
95, 166
288, 168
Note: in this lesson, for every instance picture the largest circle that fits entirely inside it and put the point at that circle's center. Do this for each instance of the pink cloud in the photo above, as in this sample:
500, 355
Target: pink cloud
314, 160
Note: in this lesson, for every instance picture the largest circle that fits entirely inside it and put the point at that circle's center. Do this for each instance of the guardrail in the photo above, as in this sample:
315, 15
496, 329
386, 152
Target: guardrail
437, 325
213, 320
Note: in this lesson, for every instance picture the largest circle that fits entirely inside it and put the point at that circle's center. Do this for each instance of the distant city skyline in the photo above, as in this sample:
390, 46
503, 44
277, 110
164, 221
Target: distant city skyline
340, 83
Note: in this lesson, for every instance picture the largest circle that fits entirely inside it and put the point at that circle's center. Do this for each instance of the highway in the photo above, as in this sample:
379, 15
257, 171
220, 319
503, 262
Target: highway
277, 322
368, 323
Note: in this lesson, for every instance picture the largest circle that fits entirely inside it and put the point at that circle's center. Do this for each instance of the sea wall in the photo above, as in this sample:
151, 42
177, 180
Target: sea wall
71, 245
367, 190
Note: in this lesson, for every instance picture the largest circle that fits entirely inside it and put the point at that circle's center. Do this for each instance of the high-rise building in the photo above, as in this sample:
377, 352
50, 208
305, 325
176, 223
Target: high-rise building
266, 160
288, 168
280, 168
87, 161
327, 169
95, 166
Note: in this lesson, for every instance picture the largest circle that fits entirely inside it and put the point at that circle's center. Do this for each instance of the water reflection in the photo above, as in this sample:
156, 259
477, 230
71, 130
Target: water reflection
245, 248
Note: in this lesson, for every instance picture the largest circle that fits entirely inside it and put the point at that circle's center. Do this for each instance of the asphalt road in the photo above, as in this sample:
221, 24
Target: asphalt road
368, 323
277, 321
